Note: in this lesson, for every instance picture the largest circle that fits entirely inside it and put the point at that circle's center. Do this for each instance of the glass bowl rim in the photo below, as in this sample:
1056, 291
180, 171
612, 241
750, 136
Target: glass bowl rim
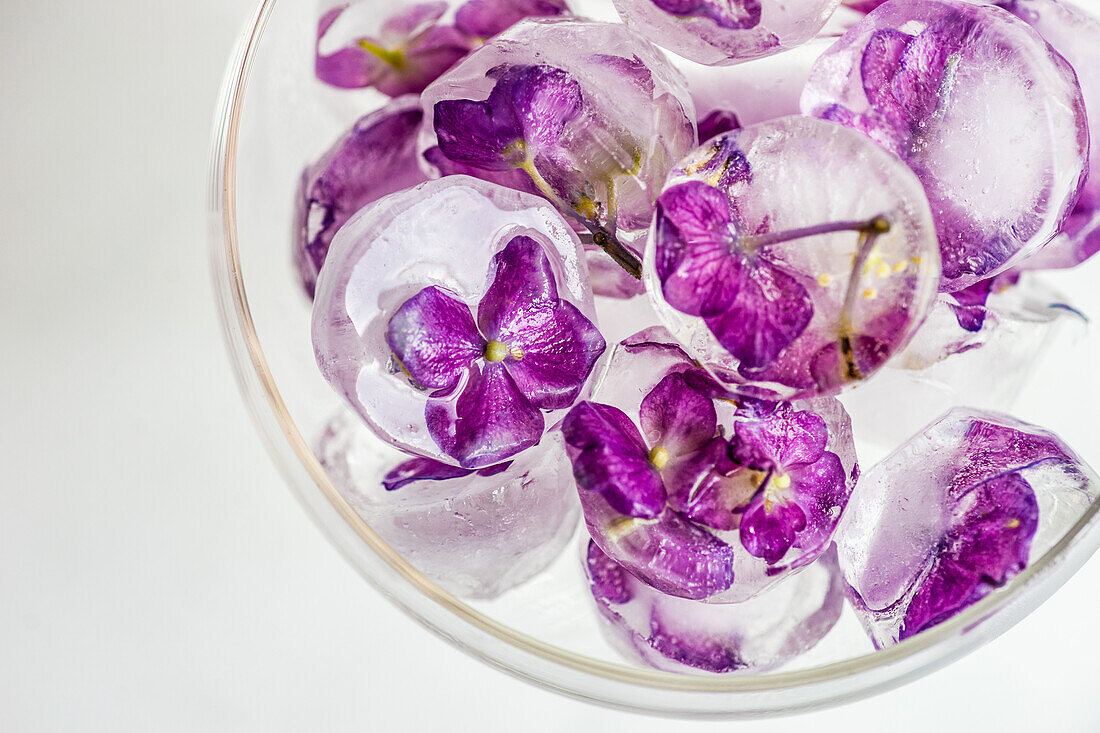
245, 351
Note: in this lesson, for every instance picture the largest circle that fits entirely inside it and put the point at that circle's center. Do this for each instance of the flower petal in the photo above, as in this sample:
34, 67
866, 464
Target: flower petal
770, 310
676, 417
707, 489
610, 582
487, 18
880, 64
730, 14
490, 420
781, 440
427, 469
610, 459
699, 272
477, 133
544, 99
919, 80
521, 279
981, 552
717, 122
434, 336
770, 534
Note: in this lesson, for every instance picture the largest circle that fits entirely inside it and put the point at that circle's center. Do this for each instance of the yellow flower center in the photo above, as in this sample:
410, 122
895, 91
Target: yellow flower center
395, 57
495, 351
659, 457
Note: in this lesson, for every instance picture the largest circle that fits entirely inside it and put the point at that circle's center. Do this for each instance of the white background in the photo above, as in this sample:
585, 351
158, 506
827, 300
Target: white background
155, 574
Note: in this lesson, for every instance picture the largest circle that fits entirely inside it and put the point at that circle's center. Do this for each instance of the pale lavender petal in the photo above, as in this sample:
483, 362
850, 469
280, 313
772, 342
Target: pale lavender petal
415, 18
611, 459
434, 336
699, 273
880, 64
677, 418
489, 422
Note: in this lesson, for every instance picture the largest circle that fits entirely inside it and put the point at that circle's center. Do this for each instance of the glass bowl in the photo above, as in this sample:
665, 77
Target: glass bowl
272, 119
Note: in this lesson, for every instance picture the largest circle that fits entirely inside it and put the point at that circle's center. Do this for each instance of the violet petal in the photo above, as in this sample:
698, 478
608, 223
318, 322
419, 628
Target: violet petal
434, 336
487, 18
609, 580
769, 533
676, 417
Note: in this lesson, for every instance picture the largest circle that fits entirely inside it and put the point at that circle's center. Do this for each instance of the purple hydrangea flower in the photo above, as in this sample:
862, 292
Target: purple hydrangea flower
751, 303
409, 52
863, 6
490, 378
804, 487
483, 19
664, 500
426, 469
715, 123
375, 158
950, 516
729, 14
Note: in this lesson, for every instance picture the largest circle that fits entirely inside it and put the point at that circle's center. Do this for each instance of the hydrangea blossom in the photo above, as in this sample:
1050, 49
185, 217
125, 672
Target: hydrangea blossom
730, 14
375, 158
683, 504
409, 51
491, 377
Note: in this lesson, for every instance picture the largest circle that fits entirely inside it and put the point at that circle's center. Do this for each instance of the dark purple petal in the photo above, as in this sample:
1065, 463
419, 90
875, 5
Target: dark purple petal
918, 83
699, 651
528, 108
768, 532
717, 122
611, 459
730, 14
676, 417
770, 310
610, 583
671, 554
486, 18
822, 490
699, 272
375, 158
489, 422
969, 307
784, 439
552, 345
434, 336
421, 469
509, 177
982, 551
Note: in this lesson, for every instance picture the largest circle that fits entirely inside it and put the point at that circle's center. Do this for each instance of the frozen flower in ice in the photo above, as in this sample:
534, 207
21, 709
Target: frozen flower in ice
375, 158
490, 378
407, 53
717, 122
752, 304
483, 19
427, 469
731, 14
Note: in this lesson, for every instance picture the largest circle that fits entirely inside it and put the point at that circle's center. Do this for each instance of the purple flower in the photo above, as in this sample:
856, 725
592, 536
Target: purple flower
408, 53
483, 19
426, 469
754, 307
489, 379
863, 6
717, 122
375, 158
805, 486
520, 125
730, 14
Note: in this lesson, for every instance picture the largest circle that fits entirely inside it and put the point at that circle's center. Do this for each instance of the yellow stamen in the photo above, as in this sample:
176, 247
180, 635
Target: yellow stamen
395, 57
659, 457
870, 293
901, 266
1012, 523
495, 351
824, 279
883, 270
516, 352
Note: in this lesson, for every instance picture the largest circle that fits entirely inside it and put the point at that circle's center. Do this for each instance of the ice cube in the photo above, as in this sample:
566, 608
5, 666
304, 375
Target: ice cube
990, 118
443, 233
476, 533
723, 32
953, 514
1074, 33
787, 295
588, 114
710, 500
680, 635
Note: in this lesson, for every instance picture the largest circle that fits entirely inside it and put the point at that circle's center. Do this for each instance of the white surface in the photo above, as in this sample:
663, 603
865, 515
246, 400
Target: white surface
155, 574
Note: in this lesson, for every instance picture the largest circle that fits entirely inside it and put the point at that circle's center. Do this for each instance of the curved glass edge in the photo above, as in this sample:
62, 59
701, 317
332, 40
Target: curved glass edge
524, 657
